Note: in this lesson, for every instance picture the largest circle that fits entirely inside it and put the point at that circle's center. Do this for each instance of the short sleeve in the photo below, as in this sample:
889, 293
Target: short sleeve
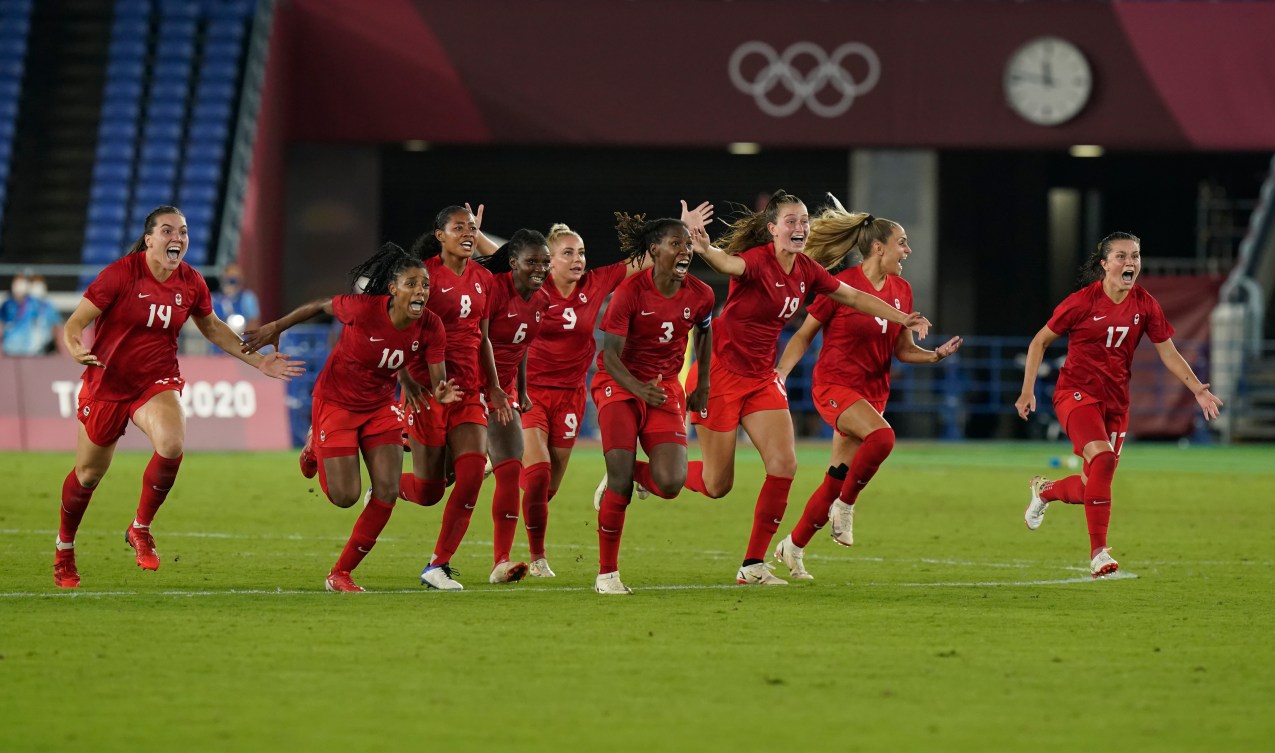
435, 339
821, 281
202, 305
823, 309
1069, 313
106, 287
1158, 327
619, 312
345, 308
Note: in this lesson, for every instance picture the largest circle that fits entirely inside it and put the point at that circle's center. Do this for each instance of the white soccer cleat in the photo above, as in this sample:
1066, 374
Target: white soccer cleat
609, 584
791, 555
487, 469
758, 574
367, 497
841, 516
540, 569
597, 493
1034, 515
642, 491
508, 572
440, 577
1103, 564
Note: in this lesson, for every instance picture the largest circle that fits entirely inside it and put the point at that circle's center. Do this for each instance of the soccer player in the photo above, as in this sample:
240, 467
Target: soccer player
354, 408
557, 364
851, 381
763, 253
517, 310
636, 388
139, 304
1104, 321
460, 296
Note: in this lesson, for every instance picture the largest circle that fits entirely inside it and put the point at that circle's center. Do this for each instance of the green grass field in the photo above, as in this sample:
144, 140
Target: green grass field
948, 627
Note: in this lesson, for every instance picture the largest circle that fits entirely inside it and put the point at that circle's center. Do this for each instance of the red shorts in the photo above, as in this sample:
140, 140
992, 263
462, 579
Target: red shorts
430, 425
556, 412
339, 432
831, 400
105, 421
732, 396
663, 425
1085, 419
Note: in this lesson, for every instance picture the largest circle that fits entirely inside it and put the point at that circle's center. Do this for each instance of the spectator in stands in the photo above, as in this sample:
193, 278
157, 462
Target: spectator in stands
29, 323
235, 304
136, 306
1103, 323
851, 381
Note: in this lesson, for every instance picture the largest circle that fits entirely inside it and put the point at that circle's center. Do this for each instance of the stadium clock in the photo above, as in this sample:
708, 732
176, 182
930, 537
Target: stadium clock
1048, 81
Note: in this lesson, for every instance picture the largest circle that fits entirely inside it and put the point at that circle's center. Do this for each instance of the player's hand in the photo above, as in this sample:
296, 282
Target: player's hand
697, 217
498, 405
478, 216
278, 366
267, 334
447, 392
1025, 404
1209, 403
411, 391
524, 402
698, 399
699, 240
81, 354
652, 392
949, 348
918, 324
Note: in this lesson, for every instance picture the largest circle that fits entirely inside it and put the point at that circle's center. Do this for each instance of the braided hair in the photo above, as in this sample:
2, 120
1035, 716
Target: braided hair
523, 240
637, 234
375, 274
749, 229
149, 225
428, 245
1091, 270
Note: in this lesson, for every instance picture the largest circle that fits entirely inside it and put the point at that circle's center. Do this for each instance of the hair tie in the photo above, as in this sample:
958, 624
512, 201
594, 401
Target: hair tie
870, 219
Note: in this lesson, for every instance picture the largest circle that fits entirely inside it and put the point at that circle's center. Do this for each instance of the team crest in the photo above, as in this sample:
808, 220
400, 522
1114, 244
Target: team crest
86, 410
583, 299
478, 287
833, 403
537, 317
416, 345
686, 313
1135, 318
898, 305
802, 288
179, 299
323, 436
607, 391
1078, 396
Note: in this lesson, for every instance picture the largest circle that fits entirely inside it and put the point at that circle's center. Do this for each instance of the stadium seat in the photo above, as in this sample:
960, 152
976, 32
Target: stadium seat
225, 51
201, 172
171, 28
171, 71
214, 91
115, 150
197, 193
162, 130
236, 10
198, 214
109, 190
205, 112
178, 8
122, 91
112, 171
97, 252
108, 212
209, 131
221, 71
127, 48
175, 49
120, 111
104, 233
205, 152
116, 130
169, 91
165, 110
224, 30
162, 172
133, 9
167, 151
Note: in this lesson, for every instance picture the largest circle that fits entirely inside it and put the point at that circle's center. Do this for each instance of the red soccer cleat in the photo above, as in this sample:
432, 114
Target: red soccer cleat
144, 544
309, 463
339, 581
64, 573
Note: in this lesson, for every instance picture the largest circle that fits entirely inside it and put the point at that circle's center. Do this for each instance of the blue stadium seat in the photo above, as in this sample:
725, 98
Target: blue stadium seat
113, 150
165, 110
201, 172
197, 193
127, 48
209, 131
12, 69
116, 130
171, 28
104, 233
169, 91
8, 108
171, 71
16, 7
132, 8
160, 150
215, 91
205, 151
224, 30
112, 171
147, 196
199, 215
125, 69
226, 51
229, 9
107, 213
122, 91
120, 111
9, 88
226, 71
110, 190
175, 49
178, 8
209, 112
130, 27
98, 252
157, 172
162, 130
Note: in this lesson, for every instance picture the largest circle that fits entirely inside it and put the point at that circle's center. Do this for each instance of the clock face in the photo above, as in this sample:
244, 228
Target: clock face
1048, 81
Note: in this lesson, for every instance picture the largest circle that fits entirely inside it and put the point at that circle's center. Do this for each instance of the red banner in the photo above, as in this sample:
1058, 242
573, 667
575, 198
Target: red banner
228, 406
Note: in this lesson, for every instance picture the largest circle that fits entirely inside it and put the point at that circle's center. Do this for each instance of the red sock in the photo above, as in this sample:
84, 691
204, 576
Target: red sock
610, 528
535, 507
815, 516
867, 459
75, 500
552, 493
460, 505
504, 507
769, 512
695, 477
421, 491
157, 480
366, 530
642, 475
1070, 490
1102, 468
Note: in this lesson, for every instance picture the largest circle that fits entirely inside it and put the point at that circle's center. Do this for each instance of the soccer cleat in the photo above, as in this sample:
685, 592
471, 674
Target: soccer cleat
144, 544
608, 584
841, 516
641, 491
1103, 564
1034, 515
488, 469
508, 572
440, 577
597, 493
340, 582
64, 573
309, 463
791, 555
758, 574
540, 569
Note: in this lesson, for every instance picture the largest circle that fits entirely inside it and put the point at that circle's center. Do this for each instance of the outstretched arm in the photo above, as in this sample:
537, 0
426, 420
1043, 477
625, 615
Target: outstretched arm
275, 365
268, 334
873, 306
1026, 402
1177, 365
716, 258
907, 351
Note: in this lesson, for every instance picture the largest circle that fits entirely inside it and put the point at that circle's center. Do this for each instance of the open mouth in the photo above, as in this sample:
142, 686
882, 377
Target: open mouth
416, 306
537, 279
1127, 276
799, 240
682, 266
174, 253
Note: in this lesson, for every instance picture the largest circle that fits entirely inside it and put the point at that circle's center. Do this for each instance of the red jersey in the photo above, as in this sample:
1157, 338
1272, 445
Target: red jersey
361, 372
655, 327
560, 355
857, 347
461, 302
514, 324
1102, 336
758, 304
136, 335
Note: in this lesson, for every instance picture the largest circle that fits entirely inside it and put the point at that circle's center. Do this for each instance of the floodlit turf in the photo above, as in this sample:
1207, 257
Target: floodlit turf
948, 627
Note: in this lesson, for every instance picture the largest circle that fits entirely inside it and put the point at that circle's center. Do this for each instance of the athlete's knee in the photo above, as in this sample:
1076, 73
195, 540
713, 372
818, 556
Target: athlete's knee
783, 467
343, 498
669, 480
620, 481
1103, 465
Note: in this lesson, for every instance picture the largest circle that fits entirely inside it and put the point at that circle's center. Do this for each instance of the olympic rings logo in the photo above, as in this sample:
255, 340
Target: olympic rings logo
804, 88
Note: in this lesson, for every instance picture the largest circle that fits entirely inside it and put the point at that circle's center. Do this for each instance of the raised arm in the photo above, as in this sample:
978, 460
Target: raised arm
80, 319
873, 306
907, 351
797, 346
484, 246
1026, 402
694, 219
1177, 365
